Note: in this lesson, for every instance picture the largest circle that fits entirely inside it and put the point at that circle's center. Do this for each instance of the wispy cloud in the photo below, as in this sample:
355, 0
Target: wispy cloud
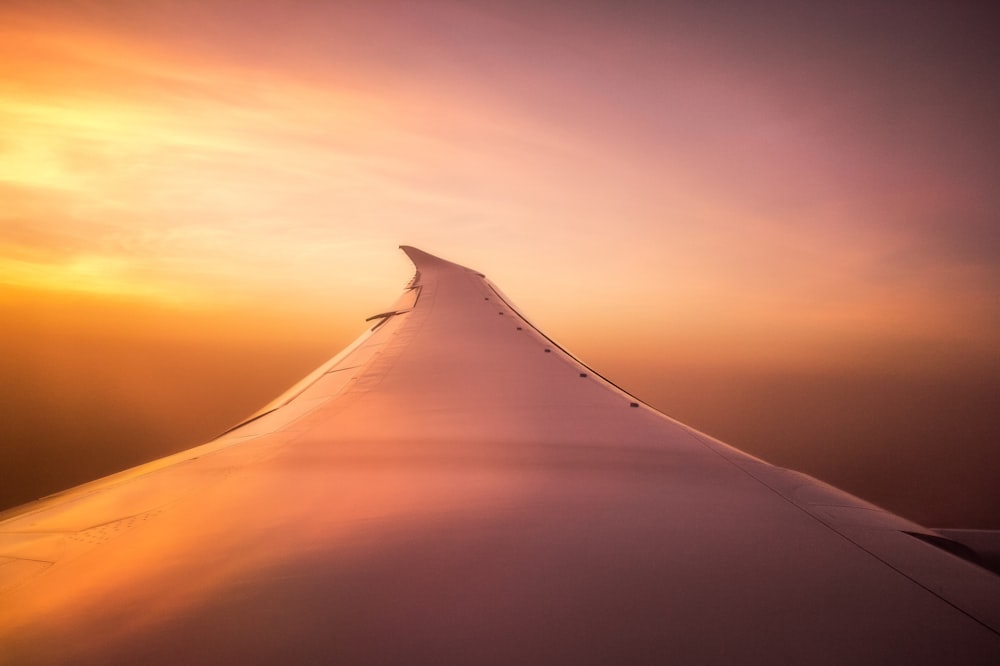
789, 185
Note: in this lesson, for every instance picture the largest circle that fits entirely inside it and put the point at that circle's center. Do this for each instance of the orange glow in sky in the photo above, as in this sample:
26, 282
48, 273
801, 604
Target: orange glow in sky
670, 191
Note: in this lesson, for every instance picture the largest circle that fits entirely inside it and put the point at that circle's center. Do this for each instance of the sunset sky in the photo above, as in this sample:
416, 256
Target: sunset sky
776, 221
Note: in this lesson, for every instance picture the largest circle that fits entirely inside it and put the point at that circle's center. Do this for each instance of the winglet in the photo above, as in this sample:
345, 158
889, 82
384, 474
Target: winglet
424, 260
420, 258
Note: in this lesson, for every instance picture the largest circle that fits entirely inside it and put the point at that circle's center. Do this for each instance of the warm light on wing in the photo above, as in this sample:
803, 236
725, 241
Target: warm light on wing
457, 485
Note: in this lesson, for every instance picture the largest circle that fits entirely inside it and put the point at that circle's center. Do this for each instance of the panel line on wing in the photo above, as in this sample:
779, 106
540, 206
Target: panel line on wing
842, 531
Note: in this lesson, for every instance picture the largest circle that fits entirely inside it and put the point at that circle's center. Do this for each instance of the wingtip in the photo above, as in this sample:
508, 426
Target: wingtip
418, 256
426, 260
413, 253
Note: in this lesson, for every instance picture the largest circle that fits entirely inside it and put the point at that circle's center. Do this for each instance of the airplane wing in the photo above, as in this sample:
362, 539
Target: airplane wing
456, 488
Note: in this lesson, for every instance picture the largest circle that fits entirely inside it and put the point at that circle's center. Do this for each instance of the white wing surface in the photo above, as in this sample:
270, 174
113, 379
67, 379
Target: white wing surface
456, 488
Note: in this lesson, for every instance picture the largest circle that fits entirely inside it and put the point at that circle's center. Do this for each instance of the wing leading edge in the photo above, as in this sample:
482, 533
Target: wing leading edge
456, 487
